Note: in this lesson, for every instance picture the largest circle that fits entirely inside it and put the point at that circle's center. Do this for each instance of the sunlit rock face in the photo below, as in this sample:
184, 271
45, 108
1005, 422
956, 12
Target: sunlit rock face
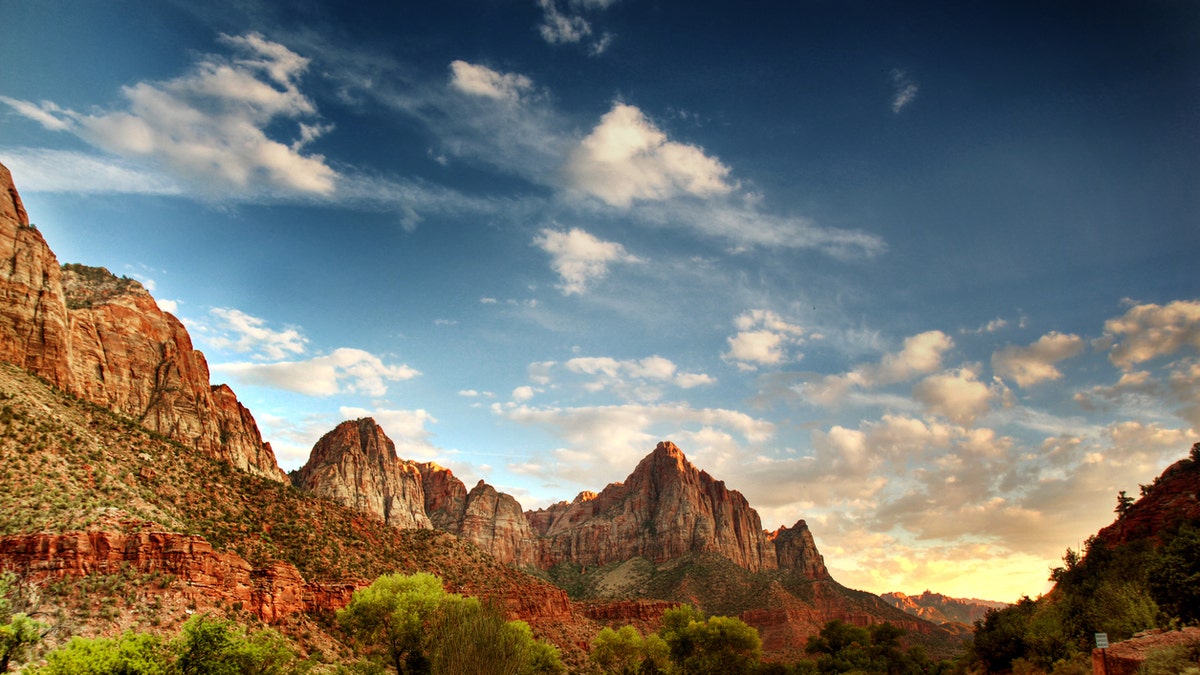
105, 340
665, 509
356, 465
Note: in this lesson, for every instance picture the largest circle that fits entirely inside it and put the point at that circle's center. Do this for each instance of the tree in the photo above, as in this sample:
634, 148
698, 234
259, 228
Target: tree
18, 630
1124, 503
210, 645
130, 654
717, 645
388, 617
618, 652
1174, 575
412, 625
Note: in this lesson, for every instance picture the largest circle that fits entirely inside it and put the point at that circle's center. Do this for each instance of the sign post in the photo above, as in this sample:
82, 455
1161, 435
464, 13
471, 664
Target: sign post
1102, 645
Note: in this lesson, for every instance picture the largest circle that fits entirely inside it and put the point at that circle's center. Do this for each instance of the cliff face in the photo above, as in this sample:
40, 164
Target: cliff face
105, 340
356, 465
939, 608
1172, 498
202, 575
666, 509
796, 550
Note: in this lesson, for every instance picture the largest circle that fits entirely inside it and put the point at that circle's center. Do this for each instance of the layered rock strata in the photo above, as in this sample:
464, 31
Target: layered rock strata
105, 340
356, 465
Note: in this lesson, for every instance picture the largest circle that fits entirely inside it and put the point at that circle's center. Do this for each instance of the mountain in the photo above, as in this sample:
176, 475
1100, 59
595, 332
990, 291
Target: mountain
136, 492
1171, 499
356, 465
669, 533
665, 509
105, 340
939, 608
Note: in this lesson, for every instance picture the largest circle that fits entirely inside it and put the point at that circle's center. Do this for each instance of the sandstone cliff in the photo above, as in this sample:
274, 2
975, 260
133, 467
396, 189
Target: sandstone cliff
665, 509
105, 340
939, 608
356, 465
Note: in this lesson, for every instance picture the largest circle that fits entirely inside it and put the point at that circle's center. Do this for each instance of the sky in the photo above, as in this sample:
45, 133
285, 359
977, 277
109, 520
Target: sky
920, 273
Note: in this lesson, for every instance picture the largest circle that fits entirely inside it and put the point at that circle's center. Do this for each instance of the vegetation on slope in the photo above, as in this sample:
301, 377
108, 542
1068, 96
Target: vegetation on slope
1118, 585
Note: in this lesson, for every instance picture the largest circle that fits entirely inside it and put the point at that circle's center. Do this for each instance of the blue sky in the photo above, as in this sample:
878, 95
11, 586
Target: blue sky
920, 273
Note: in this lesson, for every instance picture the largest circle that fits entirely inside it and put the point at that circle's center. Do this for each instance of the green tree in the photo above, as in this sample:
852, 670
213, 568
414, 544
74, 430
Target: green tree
716, 645
412, 625
387, 619
18, 630
213, 646
1174, 575
130, 654
618, 652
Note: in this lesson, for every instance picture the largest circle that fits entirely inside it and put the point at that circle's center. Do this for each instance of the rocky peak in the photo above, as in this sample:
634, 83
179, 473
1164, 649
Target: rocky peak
356, 465
105, 340
796, 550
665, 509
11, 207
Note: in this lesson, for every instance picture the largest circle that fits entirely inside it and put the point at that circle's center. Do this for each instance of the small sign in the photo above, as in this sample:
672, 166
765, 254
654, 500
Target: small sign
1101, 640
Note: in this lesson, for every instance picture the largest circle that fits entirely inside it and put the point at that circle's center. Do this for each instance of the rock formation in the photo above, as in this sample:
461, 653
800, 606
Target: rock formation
105, 340
939, 608
201, 574
356, 465
665, 509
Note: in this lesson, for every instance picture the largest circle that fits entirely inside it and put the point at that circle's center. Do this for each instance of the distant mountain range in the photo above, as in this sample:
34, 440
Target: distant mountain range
941, 609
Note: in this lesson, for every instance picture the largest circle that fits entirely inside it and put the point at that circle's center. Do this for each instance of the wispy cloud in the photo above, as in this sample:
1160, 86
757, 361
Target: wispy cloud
904, 90
343, 371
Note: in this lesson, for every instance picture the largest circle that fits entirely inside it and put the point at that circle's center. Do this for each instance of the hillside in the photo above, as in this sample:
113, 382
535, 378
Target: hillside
125, 528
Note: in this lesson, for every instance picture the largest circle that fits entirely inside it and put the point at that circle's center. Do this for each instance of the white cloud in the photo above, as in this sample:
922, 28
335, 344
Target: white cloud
344, 370
627, 158
763, 339
1033, 364
580, 258
171, 306
904, 90
483, 81
921, 354
605, 442
237, 331
523, 393
956, 395
634, 379
210, 125
1148, 331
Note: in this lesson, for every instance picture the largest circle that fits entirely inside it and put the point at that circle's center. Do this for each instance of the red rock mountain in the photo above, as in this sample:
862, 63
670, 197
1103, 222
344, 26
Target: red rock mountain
939, 608
1173, 498
665, 509
105, 340
356, 465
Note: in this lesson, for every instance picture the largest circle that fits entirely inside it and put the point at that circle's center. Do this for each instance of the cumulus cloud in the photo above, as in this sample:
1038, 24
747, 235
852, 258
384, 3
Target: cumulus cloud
580, 258
237, 331
1148, 331
483, 81
921, 354
627, 158
957, 395
1035, 363
342, 371
603, 443
763, 339
210, 125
